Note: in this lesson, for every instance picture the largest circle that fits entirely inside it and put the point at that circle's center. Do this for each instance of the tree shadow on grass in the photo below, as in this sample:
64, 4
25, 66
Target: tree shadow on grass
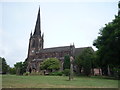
105, 77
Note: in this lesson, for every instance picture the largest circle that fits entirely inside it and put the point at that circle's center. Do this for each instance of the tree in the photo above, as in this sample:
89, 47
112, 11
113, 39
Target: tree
12, 70
24, 67
84, 60
108, 44
4, 68
78, 63
50, 64
20, 67
66, 64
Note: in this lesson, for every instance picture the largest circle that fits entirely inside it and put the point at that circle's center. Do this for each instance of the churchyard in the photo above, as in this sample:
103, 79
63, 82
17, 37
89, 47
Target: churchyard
68, 67
38, 81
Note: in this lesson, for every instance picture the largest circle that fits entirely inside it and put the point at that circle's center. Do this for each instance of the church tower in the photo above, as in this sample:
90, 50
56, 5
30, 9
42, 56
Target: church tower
36, 40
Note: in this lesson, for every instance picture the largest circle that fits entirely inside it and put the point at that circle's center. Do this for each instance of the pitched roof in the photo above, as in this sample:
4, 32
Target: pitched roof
78, 51
56, 49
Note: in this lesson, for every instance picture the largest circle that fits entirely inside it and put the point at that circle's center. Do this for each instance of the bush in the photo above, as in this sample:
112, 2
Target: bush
56, 73
26, 73
50, 64
116, 73
66, 72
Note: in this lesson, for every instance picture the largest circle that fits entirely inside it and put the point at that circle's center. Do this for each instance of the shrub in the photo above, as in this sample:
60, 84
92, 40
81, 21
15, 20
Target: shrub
66, 72
56, 73
26, 73
116, 73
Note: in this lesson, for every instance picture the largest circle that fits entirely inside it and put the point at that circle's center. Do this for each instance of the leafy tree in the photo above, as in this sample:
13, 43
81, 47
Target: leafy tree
12, 70
108, 44
78, 63
50, 64
66, 64
87, 57
84, 60
20, 67
24, 67
3, 66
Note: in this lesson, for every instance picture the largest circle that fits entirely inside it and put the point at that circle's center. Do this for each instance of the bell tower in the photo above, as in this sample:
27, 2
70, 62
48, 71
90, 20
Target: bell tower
36, 40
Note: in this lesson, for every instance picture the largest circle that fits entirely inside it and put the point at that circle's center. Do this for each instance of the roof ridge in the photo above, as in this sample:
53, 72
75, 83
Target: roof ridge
85, 47
57, 47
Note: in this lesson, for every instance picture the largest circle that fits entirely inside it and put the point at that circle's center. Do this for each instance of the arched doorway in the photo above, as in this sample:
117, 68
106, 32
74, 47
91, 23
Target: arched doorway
30, 70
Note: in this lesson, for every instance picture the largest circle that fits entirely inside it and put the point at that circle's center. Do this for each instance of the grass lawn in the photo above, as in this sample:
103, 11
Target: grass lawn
13, 81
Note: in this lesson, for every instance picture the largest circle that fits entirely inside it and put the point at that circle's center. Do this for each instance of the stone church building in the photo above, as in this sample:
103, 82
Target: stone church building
37, 53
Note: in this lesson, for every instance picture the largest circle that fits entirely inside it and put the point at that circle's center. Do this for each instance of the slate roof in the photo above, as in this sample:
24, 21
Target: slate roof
56, 49
78, 51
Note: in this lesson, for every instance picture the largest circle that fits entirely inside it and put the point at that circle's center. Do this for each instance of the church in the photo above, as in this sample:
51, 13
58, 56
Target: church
37, 53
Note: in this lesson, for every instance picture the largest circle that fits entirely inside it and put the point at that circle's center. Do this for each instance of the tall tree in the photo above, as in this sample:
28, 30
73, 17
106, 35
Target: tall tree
20, 67
78, 63
108, 44
66, 64
84, 60
87, 57
12, 70
4, 68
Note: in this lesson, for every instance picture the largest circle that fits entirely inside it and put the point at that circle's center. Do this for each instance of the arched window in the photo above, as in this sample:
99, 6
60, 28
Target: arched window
33, 43
40, 44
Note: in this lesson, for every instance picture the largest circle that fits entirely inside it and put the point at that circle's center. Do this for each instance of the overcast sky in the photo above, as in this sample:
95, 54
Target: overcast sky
62, 23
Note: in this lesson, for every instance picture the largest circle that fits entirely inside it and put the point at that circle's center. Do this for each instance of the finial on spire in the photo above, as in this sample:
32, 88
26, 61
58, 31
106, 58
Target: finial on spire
31, 33
73, 44
43, 35
70, 45
39, 9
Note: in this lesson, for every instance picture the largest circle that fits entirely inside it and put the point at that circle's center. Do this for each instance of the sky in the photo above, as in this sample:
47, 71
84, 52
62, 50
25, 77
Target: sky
63, 23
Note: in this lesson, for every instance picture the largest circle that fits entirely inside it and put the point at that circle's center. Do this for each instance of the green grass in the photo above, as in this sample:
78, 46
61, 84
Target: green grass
13, 81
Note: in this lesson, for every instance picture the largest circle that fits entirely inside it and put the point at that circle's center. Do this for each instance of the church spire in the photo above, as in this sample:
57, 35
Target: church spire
37, 30
31, 34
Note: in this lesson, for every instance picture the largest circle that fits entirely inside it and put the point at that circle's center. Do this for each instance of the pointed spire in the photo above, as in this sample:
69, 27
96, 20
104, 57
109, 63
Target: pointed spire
31, 33
73, 44
37, 30
43, 35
